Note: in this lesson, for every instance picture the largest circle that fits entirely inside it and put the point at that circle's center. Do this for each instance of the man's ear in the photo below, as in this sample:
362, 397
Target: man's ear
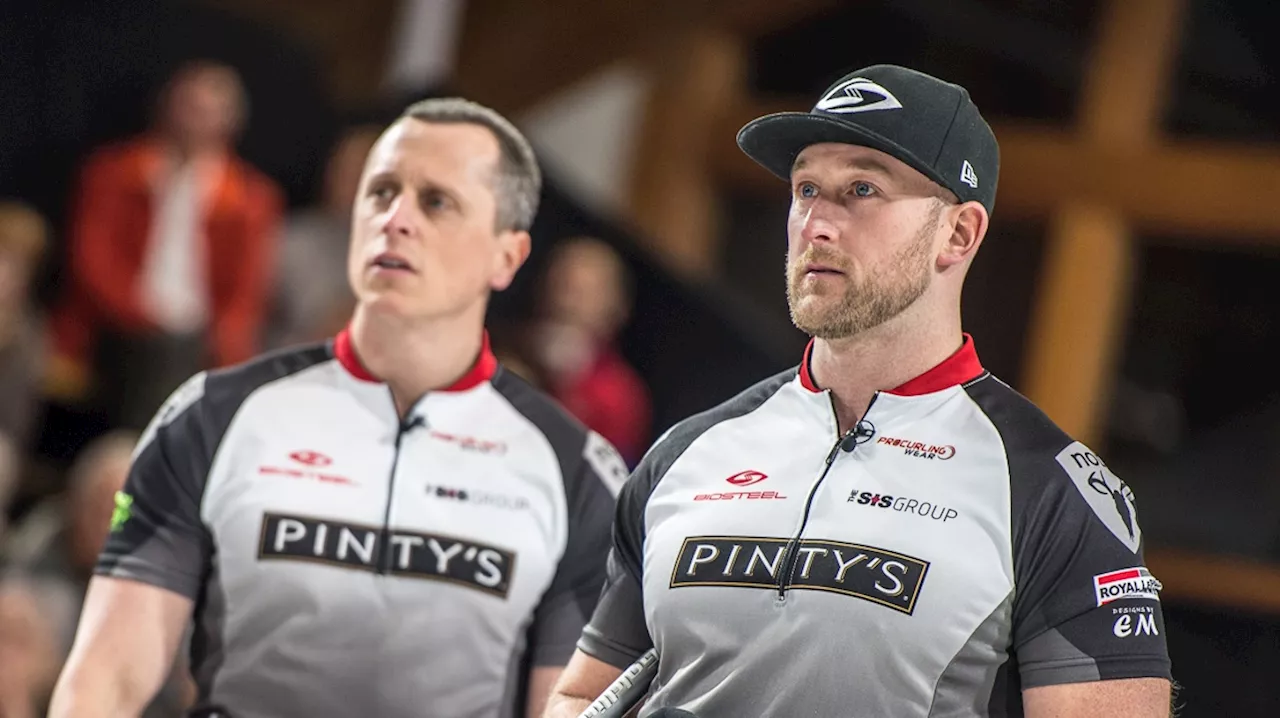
513, 250
968, 223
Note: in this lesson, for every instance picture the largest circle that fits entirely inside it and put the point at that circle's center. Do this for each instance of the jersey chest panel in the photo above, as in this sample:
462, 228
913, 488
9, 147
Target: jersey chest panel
905, 551
314, 529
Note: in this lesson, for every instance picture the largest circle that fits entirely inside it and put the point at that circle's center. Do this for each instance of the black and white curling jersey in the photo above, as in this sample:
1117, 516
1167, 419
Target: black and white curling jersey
952, 549
345, 562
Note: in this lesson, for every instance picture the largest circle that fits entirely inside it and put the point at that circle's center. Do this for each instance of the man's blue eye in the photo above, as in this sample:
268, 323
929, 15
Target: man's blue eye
862, 189
808, 190
435, 201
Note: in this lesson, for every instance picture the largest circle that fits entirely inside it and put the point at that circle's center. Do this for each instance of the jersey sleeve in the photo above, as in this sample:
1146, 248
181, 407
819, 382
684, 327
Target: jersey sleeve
575, 588
157, 536
617, 633
1086, 607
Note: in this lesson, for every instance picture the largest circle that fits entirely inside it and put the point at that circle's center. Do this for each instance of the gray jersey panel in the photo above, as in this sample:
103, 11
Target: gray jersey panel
208, 641
1053, 654
968, 684
591, 472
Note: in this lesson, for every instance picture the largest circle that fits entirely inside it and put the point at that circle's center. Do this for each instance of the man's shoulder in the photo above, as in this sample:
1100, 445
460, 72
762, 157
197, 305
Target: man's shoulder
537, 407
676, 440
232, 384
1024, 428
573, 442
216, 395
1048, 467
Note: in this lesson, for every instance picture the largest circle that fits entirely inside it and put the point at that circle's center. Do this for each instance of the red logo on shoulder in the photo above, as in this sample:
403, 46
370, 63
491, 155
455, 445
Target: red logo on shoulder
311, 458
747, 478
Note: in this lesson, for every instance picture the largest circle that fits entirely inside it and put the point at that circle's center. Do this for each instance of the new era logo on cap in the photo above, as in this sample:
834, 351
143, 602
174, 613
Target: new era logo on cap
968, 176
858, 95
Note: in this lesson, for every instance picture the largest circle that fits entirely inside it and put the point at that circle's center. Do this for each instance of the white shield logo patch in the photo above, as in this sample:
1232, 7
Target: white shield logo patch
1109, 497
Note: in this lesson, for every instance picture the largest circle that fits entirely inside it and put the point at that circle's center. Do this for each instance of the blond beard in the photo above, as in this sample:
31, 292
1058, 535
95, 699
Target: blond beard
881, 296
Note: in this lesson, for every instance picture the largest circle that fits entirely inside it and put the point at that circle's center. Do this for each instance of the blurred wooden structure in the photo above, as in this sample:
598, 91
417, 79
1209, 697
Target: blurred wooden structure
353, 41
1097, 183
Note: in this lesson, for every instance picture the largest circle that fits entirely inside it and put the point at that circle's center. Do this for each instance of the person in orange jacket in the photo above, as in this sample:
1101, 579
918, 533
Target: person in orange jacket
171, 244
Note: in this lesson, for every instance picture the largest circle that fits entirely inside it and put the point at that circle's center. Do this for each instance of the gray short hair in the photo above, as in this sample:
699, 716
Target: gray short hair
518, 183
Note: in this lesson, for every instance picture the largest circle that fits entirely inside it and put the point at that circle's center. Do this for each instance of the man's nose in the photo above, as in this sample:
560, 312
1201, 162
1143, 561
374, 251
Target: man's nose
817, 225
399, 216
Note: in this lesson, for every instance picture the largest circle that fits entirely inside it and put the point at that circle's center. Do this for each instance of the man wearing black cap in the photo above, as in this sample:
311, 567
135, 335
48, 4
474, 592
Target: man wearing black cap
886, 529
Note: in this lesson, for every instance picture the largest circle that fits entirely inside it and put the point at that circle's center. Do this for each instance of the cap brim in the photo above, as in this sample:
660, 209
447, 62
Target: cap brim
774, 141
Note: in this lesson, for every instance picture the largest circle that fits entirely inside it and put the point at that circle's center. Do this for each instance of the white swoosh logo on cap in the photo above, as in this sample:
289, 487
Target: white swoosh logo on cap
847, 97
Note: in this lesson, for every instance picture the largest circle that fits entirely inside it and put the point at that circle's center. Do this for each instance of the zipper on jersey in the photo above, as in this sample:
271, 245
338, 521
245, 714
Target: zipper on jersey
384, 559
792, 548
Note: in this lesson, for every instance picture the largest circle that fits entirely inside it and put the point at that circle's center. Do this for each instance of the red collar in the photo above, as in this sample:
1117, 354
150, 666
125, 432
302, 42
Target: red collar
483, 370
958, 368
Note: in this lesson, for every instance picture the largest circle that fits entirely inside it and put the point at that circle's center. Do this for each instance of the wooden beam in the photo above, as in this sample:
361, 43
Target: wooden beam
1217, 191
514, 53
1185, 188
1076, 325
1125, 88
1216, 580
1078, 319
353, 46
672, 194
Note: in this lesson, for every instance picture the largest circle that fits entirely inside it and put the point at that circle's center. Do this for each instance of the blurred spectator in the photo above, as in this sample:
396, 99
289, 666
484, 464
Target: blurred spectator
23, 236
28, 652
57, 544
312, 297
171, 244
60, 538
584, 301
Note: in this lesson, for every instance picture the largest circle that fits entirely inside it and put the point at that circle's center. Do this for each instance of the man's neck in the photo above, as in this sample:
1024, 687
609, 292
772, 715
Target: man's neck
888, 356
414, 358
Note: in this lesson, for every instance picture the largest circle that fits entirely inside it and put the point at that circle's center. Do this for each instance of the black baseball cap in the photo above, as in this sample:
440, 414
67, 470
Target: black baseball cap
929, 124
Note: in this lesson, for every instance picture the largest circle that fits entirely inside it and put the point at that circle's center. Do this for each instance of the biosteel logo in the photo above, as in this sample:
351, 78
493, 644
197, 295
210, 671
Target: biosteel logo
317, 464
311, 458
747, 478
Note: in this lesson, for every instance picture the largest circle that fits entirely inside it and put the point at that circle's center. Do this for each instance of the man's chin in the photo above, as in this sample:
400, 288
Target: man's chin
389, 304
818, 324
826, 332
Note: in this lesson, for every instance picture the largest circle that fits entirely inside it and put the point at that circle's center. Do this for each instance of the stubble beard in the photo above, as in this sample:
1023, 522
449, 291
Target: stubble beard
879, 297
